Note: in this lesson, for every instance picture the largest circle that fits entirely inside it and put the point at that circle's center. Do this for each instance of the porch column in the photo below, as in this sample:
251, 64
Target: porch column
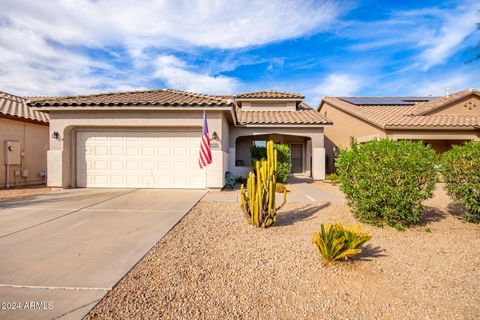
57, 158
318, 163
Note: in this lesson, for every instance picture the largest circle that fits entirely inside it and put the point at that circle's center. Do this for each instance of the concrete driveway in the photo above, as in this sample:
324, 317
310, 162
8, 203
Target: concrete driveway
61, 252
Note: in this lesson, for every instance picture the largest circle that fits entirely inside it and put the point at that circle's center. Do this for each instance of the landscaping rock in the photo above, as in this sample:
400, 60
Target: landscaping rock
214, 266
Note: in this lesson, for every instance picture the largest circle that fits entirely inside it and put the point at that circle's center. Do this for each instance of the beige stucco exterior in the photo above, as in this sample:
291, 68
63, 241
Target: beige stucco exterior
61, 156
311, 138
466, 106
347, 125
33, 138
344, 127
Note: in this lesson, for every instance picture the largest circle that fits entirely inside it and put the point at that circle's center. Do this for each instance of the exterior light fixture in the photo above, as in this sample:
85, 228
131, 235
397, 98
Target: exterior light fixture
56, 135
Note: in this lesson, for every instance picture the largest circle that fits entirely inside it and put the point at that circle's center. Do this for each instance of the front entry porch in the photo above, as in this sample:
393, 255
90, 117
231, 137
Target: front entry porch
306, 148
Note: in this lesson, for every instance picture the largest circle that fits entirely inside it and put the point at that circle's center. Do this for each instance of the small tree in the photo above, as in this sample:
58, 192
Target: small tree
386, 181
461, 170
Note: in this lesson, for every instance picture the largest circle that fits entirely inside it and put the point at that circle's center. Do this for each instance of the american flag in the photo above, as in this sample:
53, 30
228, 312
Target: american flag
205, 156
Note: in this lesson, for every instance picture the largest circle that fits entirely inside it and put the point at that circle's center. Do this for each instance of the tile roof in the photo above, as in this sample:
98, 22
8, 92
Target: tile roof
164, 97
426, 107
269, 95
304, 115
15, 106
385, 116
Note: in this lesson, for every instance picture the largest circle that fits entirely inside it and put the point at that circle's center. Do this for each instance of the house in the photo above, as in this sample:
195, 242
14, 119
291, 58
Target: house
24, 142
151, 139
439, 121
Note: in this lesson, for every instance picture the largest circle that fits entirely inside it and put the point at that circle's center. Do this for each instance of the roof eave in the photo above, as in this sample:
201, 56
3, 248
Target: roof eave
271, 98
466, 94
131, 108
283, 125
432, 127
22, 119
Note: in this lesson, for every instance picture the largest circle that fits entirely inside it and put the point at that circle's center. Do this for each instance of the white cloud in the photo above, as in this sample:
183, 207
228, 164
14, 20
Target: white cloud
457, 26
223, 24
335, 84
177, 74
432, 34
438, 85
44, 44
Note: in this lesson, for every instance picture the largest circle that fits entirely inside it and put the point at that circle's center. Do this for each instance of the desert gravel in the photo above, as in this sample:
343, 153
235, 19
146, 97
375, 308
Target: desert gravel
214, 266
19, 192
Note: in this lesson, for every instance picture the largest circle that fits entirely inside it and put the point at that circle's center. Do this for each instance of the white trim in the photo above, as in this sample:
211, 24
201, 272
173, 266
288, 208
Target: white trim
456, 128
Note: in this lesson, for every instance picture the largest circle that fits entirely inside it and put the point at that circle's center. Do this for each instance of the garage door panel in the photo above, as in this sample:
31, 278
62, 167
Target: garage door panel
139, 159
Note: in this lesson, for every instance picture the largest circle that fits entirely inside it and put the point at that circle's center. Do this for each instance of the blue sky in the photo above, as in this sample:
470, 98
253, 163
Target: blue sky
316, 48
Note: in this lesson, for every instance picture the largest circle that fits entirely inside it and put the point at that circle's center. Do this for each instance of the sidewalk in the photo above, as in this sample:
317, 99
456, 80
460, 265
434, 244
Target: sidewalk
313, 193
300, 190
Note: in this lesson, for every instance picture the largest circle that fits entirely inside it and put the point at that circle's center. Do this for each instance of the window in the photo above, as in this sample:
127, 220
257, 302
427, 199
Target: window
260, 143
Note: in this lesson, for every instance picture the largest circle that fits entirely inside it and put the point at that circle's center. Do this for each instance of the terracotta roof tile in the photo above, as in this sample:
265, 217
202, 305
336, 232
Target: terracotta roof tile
164, 97
409, 115
269, 95
15, 106
426, 107
303, 116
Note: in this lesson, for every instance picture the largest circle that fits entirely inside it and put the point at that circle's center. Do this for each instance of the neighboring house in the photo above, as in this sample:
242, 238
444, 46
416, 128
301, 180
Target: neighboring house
151, 139
438, 121
24, 142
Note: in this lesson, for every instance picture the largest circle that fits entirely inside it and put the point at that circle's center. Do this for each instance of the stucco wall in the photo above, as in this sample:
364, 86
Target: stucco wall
316, 145
434, 134
61, 157
33, 140
344, 127
243, 144
459, 107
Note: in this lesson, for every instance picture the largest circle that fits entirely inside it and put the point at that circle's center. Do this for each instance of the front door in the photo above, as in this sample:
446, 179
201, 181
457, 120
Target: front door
297, 158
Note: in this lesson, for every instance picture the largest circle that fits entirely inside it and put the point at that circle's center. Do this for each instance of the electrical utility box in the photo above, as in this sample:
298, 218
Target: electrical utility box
12, 152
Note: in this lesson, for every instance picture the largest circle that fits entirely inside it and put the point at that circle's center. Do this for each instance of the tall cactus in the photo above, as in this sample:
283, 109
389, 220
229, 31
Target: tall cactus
258, 199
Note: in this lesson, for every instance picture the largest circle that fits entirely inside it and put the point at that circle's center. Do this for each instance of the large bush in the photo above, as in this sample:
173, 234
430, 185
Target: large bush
460, 167
258, 153
386, 181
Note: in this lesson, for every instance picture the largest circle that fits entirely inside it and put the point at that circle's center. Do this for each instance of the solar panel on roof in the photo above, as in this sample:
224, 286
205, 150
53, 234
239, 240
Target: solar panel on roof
394, 101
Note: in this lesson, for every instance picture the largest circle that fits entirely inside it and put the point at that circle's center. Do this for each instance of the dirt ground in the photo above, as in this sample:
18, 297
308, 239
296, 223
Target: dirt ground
18, 192
214, 266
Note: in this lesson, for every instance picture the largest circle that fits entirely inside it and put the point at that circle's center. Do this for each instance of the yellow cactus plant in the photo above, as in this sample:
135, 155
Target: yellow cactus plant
258, 198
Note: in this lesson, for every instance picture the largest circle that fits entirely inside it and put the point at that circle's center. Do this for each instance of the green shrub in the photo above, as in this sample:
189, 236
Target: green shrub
283, 162
460, 168
333, 178
335, 242
386, 181
258, 153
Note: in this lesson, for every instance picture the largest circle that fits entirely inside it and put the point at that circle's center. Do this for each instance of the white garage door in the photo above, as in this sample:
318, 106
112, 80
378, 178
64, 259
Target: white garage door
139, 160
